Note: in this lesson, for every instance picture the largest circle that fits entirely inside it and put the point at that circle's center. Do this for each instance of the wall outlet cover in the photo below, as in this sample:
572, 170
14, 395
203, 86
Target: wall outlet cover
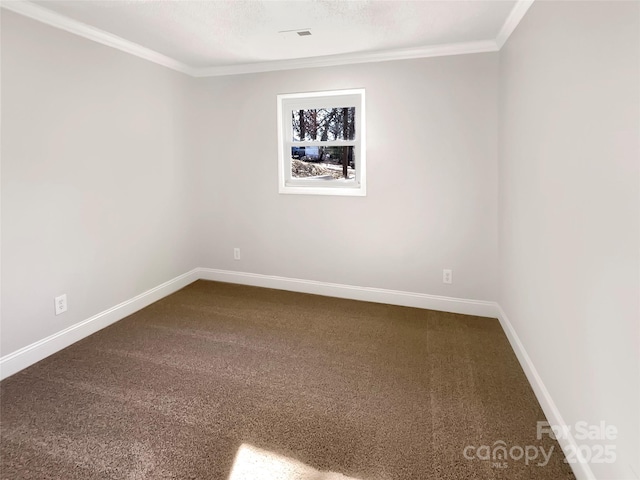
61, 304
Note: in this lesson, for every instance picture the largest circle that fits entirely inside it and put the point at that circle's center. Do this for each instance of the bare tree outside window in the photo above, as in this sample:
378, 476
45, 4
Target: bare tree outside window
323, 125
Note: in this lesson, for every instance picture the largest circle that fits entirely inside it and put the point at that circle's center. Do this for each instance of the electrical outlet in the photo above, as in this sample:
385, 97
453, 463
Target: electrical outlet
236, 254
61, 304
447, 276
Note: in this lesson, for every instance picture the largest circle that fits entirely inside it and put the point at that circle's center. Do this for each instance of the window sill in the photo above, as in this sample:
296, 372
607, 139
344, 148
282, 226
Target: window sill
324, 187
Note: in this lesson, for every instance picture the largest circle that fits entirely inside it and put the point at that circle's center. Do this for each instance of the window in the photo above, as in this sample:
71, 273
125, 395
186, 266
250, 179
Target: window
321, 143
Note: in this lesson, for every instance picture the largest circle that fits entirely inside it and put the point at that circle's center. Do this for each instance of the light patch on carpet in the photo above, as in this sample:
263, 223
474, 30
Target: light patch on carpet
252, 463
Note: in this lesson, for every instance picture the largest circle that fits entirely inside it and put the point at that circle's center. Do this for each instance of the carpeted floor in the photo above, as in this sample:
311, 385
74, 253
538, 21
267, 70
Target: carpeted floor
289, 384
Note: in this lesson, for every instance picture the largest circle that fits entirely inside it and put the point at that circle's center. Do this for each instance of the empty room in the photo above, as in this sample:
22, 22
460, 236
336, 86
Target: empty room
320, 240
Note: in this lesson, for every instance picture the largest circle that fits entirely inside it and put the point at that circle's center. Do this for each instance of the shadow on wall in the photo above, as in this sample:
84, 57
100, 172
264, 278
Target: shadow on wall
253, 463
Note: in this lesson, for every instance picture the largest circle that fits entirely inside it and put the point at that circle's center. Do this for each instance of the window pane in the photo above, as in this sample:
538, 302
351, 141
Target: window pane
323, 124
323, 162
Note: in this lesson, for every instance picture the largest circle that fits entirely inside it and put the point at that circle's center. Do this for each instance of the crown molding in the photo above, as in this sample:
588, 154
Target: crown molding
517, 13
352, 58
62, 22
57, 20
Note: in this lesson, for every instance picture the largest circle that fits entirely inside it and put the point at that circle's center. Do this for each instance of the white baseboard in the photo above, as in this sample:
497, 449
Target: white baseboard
581, 469
26, 356
379, 295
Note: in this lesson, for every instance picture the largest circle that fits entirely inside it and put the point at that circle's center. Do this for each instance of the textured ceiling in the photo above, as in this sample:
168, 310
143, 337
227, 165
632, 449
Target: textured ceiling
209, 34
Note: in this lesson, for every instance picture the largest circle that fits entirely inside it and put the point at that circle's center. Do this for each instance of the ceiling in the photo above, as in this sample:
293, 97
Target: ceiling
236, 36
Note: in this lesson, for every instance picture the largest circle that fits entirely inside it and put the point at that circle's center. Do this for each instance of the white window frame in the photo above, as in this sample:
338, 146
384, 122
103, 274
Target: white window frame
288, 103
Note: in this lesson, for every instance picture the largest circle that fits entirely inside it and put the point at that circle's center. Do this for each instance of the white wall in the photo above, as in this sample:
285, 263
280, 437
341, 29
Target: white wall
569, 208
431, 189
95, 178
155, 173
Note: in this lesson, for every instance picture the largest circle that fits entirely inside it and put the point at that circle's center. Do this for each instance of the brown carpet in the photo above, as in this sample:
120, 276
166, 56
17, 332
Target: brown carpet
365, 390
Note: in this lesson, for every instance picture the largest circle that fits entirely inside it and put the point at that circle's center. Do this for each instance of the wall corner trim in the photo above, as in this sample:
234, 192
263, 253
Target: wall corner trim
512, 21
581, 469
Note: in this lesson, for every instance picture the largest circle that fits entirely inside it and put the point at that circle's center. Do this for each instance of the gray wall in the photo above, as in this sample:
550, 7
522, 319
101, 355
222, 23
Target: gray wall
569, 204
431, 179
118, 175
95, 178
153, 173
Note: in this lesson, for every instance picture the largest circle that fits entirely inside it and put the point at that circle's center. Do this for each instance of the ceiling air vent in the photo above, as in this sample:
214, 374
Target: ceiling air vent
304, 33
